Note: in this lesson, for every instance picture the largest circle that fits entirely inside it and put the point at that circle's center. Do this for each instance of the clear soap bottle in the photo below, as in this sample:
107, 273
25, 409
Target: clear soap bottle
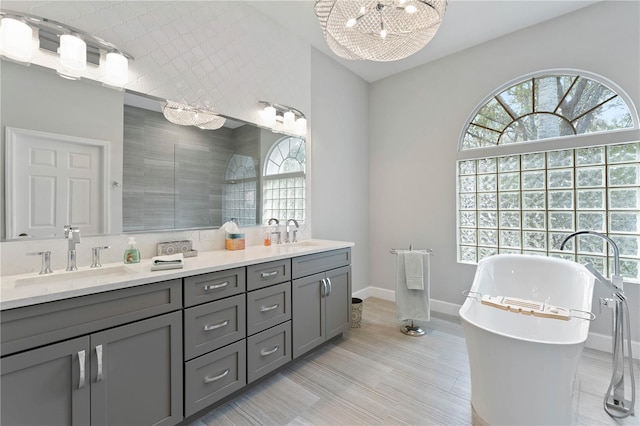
132, 254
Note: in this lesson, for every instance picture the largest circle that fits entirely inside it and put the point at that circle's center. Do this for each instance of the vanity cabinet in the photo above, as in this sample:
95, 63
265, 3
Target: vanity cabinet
157, 353
321, 301
120, 369
117, 376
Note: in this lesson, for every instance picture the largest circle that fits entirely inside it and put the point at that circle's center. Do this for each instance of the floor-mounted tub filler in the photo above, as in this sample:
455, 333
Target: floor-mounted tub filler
525, 321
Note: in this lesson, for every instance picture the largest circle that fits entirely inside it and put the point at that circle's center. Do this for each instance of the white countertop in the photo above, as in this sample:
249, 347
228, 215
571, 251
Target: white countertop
30, 289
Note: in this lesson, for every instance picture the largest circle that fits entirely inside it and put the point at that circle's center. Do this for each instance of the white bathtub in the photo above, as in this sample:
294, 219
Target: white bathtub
523, 367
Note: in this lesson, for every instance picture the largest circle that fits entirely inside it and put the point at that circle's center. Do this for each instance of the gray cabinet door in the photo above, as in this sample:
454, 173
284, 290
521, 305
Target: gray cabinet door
136, 372
307, 313
338, 302
45, 386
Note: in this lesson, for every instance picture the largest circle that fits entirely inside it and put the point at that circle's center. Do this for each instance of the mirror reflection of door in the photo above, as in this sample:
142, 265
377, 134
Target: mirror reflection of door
52, 181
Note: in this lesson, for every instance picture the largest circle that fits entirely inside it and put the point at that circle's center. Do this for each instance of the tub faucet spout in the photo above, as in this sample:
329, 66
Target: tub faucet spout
616, 279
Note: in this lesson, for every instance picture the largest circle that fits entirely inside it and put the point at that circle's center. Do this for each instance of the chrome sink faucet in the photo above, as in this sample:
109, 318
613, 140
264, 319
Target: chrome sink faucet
295, 231
278, 234
73, 237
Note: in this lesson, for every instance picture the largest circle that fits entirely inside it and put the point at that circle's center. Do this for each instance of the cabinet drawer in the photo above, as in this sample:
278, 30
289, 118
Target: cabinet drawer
320, 262
268, 307
269, 273
37, 325
268, 350
210, 326
213, 286
213, 376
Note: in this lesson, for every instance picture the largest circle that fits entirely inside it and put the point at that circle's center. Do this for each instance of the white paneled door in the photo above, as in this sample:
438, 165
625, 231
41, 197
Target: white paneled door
54, 180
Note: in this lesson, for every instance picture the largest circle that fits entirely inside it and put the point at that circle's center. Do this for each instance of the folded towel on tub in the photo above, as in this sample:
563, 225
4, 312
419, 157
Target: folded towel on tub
412, 304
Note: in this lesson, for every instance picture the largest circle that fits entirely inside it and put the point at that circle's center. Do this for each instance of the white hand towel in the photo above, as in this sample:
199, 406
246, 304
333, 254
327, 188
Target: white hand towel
411, 304
414, 270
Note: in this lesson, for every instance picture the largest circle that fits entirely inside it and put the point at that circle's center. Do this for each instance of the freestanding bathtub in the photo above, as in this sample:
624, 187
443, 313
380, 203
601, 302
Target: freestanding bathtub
523, 367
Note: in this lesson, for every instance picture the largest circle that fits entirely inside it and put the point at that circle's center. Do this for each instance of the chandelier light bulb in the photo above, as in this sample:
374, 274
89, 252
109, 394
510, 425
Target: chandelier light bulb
73, 53
16, 40
117, 69
410, 9
351, 22
383, 32
363, 10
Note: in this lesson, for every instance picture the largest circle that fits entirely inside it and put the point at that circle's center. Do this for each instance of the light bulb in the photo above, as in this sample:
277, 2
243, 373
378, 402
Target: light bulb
363, 10
383, 33
73, 53
117, 69
410, 9
16, 40
289, 120
351, 22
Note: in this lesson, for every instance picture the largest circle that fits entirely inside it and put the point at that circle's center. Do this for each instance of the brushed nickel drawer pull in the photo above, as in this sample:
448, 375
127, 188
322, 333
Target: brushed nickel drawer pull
215, 286
267, 353
269, 274
269, 308
216, 326
218, 377
81, 362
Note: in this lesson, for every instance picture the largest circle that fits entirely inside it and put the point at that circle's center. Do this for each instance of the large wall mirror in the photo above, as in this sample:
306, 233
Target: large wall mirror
107, 161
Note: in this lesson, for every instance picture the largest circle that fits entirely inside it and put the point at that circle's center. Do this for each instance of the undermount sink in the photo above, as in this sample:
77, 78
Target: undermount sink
90, 274
307, 243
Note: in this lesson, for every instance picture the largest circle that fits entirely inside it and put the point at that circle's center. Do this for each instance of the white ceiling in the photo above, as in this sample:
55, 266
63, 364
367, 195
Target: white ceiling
466, 23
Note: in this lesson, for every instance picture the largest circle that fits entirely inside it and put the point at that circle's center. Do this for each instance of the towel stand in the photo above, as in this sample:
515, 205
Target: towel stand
412, 330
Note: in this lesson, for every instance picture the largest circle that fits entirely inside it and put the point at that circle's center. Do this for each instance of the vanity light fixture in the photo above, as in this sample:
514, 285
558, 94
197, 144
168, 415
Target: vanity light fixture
283, 118
379, 30
28, 38
186, 115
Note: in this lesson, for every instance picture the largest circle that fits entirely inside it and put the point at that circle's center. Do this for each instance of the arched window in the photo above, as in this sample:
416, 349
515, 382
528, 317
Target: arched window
538, 160
240, 190
284, 180
545, 107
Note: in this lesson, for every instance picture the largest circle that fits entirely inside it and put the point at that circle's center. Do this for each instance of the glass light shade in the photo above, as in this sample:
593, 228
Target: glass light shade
289, 120
16, 40
117, 69
301, 126
269, 116
73, 53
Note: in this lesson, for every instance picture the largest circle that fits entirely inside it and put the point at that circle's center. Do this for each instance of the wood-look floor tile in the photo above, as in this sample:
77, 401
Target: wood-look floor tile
375, 375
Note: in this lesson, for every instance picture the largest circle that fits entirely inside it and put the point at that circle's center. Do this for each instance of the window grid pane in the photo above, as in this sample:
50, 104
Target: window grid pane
529, 203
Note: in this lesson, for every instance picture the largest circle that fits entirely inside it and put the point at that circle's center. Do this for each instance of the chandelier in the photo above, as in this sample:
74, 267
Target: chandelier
186, 115
379, 30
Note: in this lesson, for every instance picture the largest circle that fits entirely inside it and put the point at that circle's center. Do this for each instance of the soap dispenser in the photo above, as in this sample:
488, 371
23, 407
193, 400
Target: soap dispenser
132, 254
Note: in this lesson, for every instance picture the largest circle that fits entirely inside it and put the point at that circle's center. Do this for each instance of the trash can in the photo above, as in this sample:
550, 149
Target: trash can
356, 312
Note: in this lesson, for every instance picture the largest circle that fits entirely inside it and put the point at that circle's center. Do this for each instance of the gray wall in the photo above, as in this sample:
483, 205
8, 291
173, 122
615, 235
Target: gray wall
416, 118
340, 157
76, 108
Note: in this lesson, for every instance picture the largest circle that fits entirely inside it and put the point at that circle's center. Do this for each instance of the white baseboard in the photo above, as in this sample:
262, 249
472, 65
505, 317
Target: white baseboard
597, 341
